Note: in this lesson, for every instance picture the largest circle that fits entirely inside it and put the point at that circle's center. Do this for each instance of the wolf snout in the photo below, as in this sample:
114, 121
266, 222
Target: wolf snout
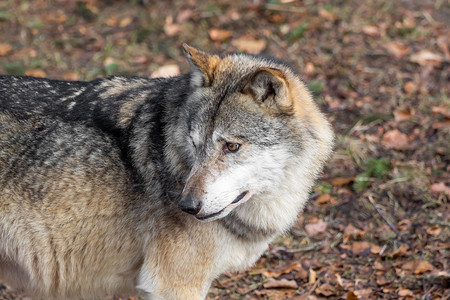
190, 204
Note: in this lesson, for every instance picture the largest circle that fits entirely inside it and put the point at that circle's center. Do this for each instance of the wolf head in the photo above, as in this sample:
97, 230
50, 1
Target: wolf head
251, 134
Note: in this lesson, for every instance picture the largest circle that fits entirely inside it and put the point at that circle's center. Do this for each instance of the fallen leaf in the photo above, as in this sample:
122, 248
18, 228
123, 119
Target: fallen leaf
361, 248
382, 280
409, 87
219, 34
249, 45
35, 73
312, 276
166, 71
340, 181
375, 249
326, 289
434, 230
112, 21
394, 139
269, 273
351, 296
125, 22
5, 49
363, 293
445, 111
440, 187
423, 267
426, 57
184, 15
372, 31
327, 15
322, 199
405, 293
441, 124
404, 224
71, 76
309, 68
171, 29
442, 42
316, 228
401, 251
397, 49
108, 61
351, 233
401, 115
282, 283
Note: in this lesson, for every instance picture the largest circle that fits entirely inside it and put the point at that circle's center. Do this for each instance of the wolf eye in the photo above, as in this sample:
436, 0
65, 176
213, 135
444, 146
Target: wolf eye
231, 147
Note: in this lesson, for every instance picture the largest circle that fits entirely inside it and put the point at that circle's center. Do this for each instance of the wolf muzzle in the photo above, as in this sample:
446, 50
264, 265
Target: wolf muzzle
190, 204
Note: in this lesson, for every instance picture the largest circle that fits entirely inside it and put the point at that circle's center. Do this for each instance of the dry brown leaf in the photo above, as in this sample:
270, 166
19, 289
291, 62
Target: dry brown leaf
71, 76
375, 249
442, 42
125, 22
166, 71
394, 139
326, 289
405, 293
35, 73
108, 61
426, 57
441, 124
361, 248
112, 21
184, 15
401, 115
372, 31
351, 295
409, 87
327, 15
295, 266
397, 49
404, 224
322, 199
219, 34
249, 45
351, 232
340, 181
363, 293
171, 29
423, 267
5, 49
440, 187
282, 283
309, 68
401, 251
312, 276
445, 111
434, 230
382, 280
316, 228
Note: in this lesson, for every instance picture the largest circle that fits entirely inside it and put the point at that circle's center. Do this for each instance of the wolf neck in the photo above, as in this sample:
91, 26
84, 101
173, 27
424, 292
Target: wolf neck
270, 214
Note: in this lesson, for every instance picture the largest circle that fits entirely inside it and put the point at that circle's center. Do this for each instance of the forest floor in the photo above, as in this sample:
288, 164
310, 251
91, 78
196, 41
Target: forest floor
378, 222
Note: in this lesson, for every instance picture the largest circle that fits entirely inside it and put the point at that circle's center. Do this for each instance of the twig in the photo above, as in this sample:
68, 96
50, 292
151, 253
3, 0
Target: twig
314, 246
285, 8
392, 226
401, 236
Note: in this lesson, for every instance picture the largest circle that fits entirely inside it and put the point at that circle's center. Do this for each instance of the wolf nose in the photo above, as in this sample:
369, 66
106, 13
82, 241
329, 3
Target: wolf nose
190, 204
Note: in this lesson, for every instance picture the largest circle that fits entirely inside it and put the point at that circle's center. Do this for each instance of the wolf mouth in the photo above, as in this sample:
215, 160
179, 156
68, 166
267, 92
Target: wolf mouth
238, 198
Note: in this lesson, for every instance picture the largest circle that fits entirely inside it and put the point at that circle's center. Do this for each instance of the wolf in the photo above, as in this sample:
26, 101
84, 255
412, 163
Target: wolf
130, 185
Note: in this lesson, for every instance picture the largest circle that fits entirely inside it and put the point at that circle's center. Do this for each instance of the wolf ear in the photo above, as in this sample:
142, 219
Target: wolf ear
269, 87
202, 66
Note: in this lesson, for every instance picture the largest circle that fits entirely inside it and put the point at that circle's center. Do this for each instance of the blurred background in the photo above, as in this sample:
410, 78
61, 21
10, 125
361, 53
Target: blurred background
377, 224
